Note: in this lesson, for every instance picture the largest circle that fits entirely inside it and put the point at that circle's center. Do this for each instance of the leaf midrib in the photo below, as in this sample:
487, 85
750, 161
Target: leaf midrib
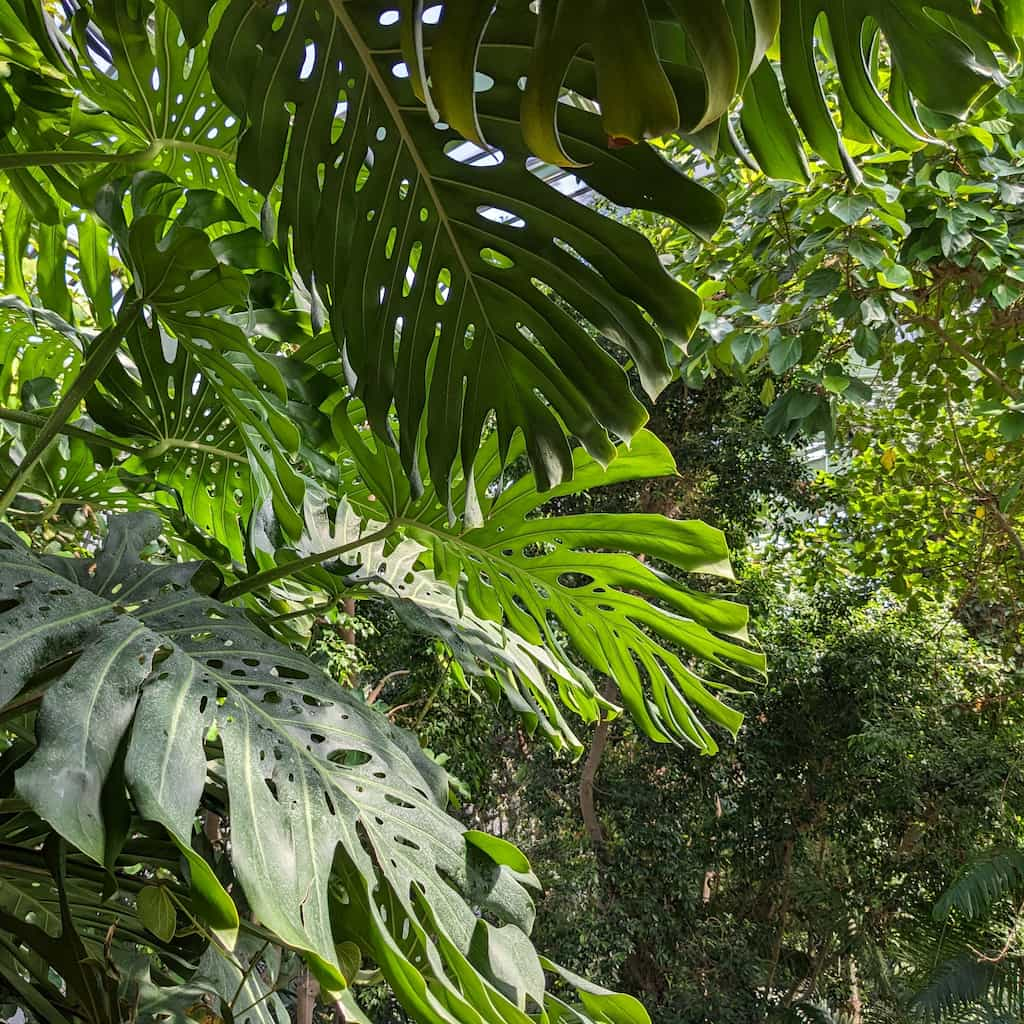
366, 56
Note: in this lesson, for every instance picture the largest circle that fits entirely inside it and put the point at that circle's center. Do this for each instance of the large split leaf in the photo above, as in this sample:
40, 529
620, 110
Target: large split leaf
197, 452
897, 65
138, 95
38, 354
195, 386
585, 579
394, 573
578, 588
431, 290
338, 825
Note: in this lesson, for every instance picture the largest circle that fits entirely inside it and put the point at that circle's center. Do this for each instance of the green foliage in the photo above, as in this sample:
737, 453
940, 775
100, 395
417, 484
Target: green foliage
948, 493
265, 305
882, 750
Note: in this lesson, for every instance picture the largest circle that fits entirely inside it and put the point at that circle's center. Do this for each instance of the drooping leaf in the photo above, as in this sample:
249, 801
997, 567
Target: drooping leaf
432, 288
546, 580
322, 789
520, 671
940, 63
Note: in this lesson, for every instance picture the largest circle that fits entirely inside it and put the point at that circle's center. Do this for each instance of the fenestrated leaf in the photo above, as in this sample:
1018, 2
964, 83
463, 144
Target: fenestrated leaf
195, 447
34, 343
63, 935
239, 985
511, 666
38, 353
193, 385
628, 45
147, 101
428, 286
543, 580
320, 786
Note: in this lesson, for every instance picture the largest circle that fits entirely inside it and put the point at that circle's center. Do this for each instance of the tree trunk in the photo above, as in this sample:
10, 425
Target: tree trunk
711, 875
348, 606
855, 1004
589, 774
305, 997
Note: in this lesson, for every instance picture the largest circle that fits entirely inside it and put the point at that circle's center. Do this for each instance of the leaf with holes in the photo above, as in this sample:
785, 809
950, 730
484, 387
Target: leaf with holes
206, 398
330, 805
585, 578
142, 99
434, 286
510, 666
637, 61
540, 581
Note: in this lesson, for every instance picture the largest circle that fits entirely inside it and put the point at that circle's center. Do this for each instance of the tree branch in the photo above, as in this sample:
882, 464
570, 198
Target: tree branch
598, 743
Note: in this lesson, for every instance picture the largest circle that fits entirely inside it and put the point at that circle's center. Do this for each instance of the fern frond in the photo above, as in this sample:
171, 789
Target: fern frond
981, 883
967, 985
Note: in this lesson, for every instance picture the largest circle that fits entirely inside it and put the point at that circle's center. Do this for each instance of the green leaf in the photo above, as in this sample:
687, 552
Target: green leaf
785, 353
418, 286
499, 850
156, 911
745, 346
894, 275
321, 788
866, 344
1011, 425
821, 283
849, 209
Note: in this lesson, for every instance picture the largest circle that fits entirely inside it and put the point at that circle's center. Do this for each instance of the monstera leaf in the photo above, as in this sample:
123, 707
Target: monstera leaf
448, 304
902, 70
338, 827
139, 96
193, 415
383, 570
431, 289
571, 587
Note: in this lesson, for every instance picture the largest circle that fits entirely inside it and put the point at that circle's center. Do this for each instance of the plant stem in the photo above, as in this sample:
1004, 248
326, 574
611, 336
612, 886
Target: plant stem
1008, 389
246, 973
263, 579
95, 362
30, 419
54, 157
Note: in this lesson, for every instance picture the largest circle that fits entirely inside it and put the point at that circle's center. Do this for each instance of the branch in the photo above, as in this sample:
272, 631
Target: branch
1008, 389
589, 774
378, 689
31, 419
263, 579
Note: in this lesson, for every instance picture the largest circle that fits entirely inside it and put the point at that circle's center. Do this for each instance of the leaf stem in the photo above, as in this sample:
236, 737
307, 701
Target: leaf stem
106, 345
56, 157
262, 579
30, 419
247, 972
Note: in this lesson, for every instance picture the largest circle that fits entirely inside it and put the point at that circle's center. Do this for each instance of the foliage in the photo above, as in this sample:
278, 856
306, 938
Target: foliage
884, 748
265, 308
886, 319
932, 511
